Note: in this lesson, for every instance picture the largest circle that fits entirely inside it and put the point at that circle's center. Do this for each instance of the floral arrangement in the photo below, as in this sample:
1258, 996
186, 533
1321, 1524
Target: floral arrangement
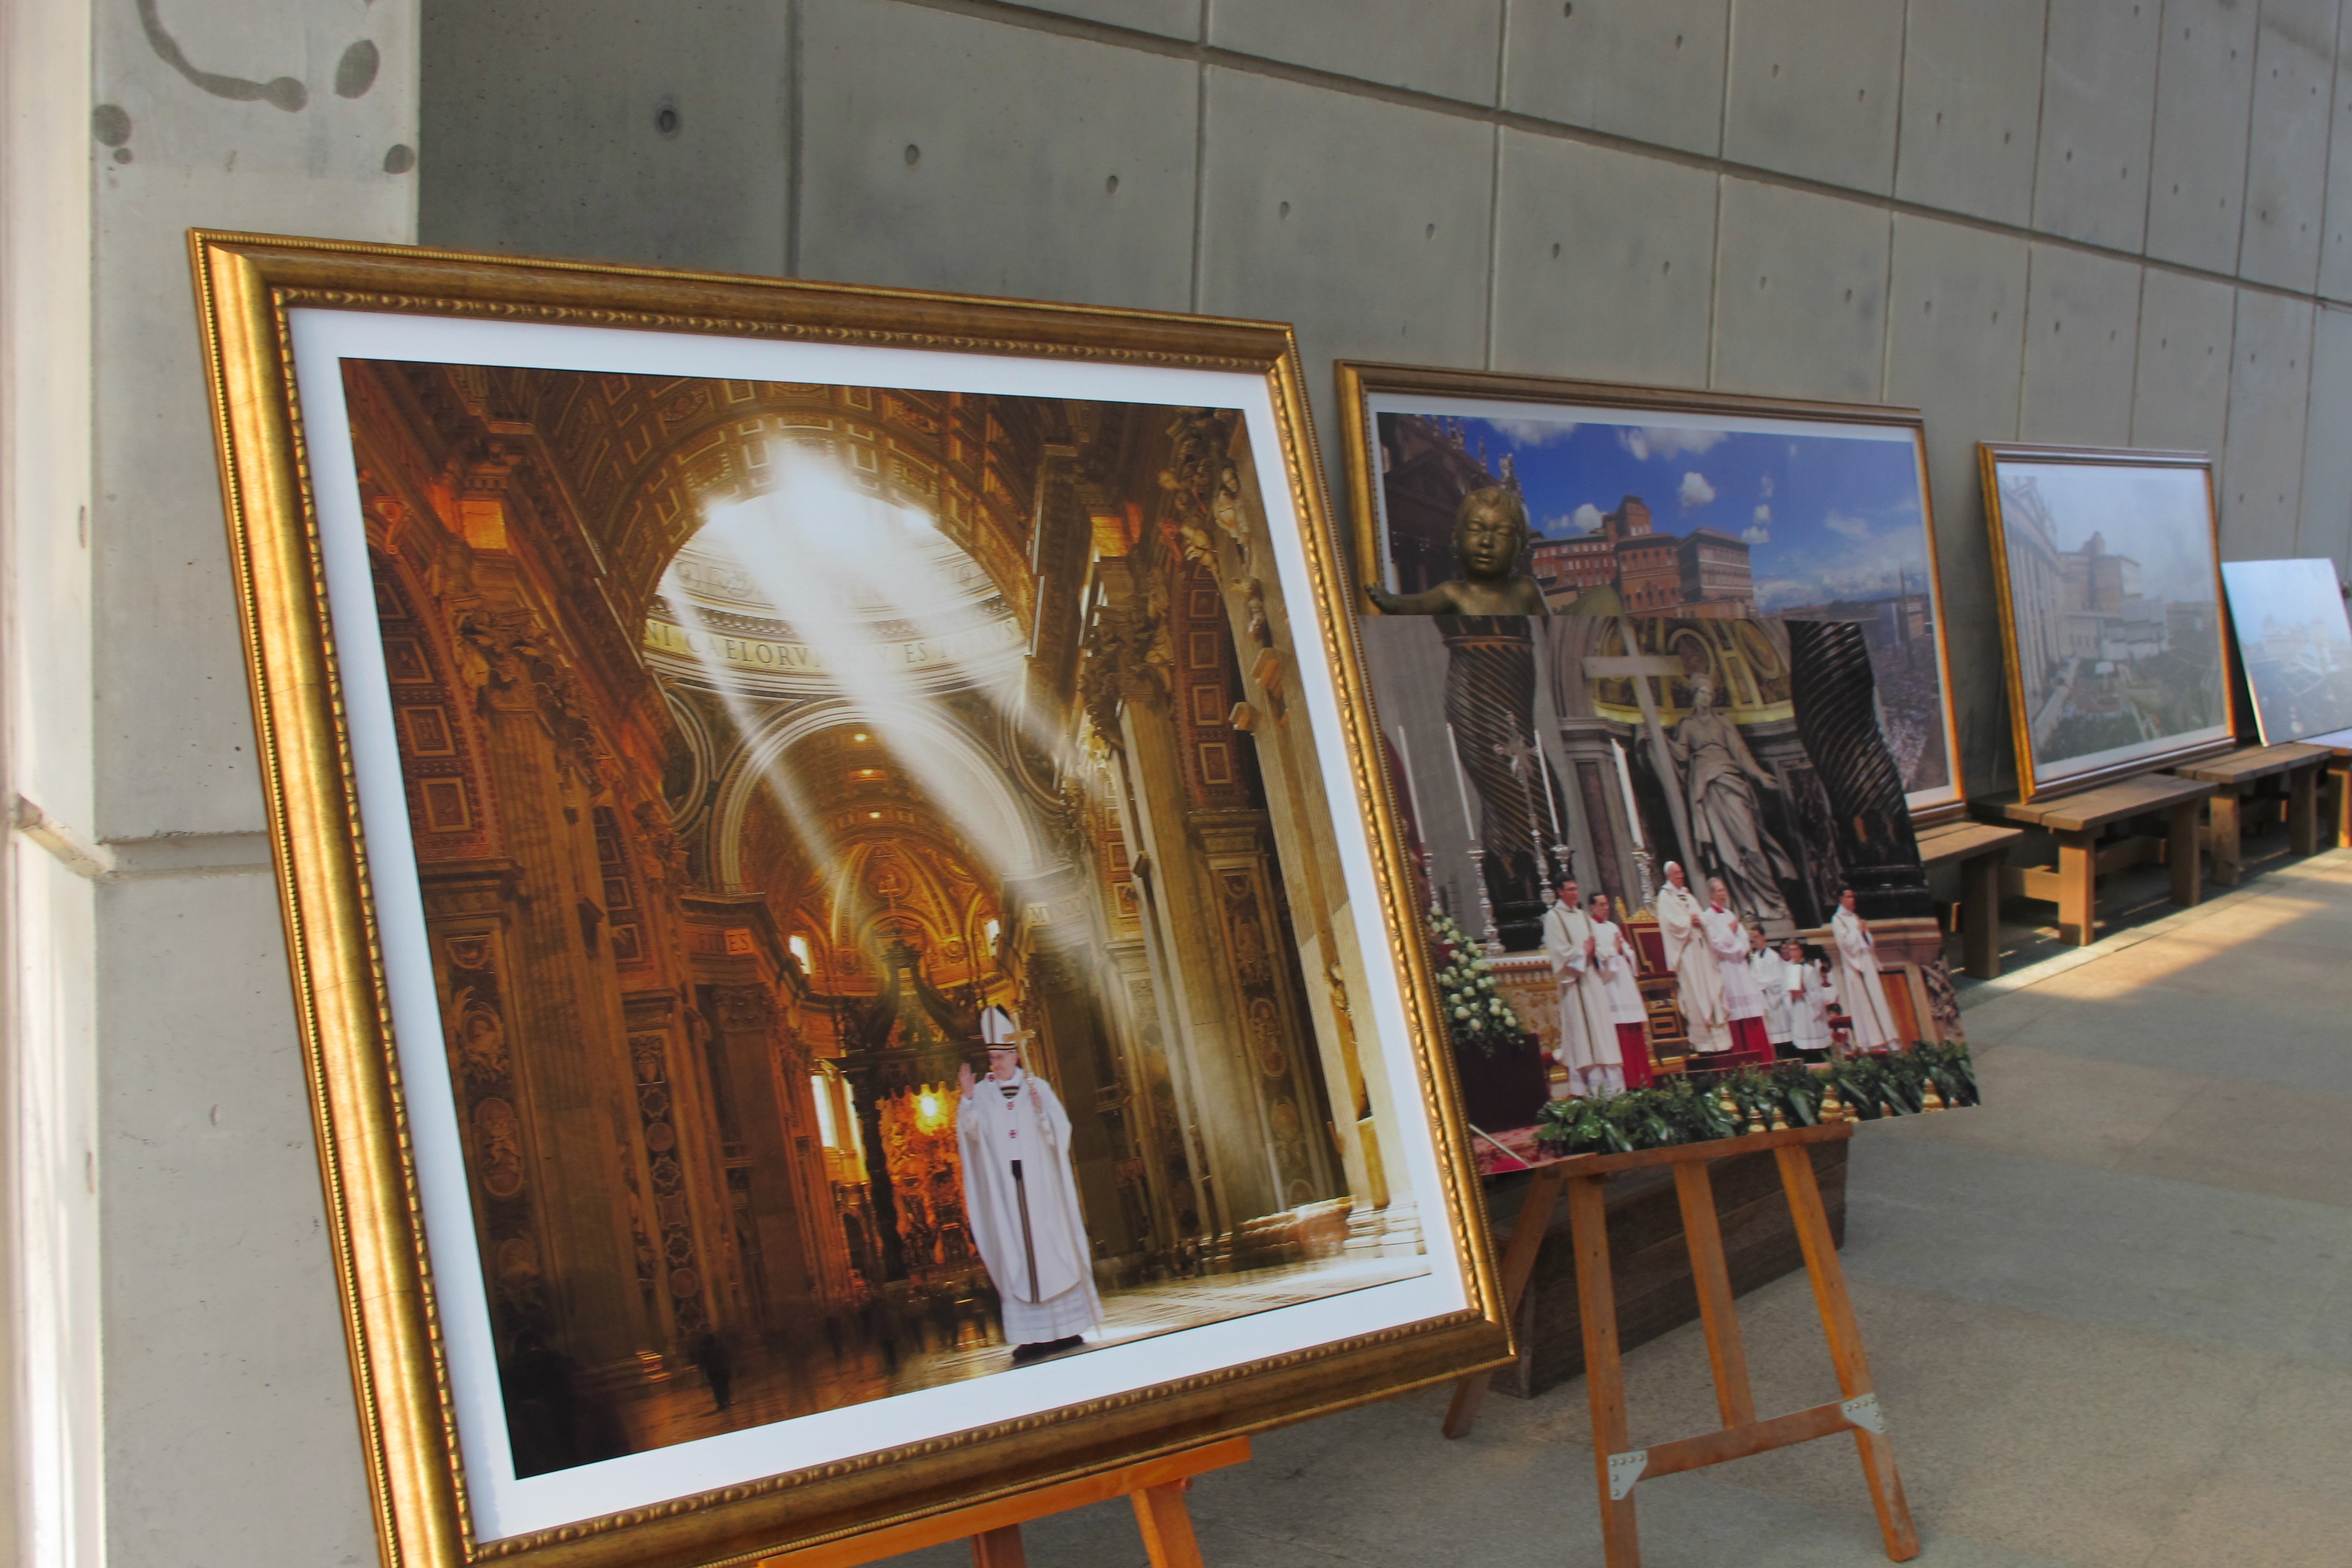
1695, 1107
1475, 1012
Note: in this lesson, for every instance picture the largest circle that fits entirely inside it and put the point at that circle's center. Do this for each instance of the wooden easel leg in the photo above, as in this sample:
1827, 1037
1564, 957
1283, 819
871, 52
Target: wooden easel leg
1846, 1345
2226, 837
1166, 1527
2188, 876
999, 1549
1726, 1355
2078, 887
2340, 816
2303, 811
1604, 1375
1527, 1234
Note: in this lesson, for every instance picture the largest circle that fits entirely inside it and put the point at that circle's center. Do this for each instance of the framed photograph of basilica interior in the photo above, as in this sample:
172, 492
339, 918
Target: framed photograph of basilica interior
2108, 566
1646, 501
850, 949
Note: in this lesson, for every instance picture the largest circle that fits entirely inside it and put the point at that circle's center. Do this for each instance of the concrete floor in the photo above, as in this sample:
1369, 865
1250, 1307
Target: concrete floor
2110, 1312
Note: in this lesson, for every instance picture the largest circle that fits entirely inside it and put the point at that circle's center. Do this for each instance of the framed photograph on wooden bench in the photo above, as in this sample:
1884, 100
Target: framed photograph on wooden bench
2108, 566
852, 955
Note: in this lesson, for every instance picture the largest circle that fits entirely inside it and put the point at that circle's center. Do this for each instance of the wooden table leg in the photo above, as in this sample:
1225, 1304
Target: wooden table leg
2188, 883
1846, 1345
2302, 810
1528, 1233
2078, 887
1604, 1377
1167, 1524
1981, 916
2339, 775
2226, 840
1000, 1547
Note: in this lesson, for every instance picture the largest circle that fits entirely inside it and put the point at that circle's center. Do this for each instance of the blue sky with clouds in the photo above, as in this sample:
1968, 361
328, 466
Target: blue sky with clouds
1827, 516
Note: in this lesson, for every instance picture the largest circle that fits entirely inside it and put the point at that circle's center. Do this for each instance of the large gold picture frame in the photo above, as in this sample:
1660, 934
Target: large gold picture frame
1902, 614
2082, 614
518, 545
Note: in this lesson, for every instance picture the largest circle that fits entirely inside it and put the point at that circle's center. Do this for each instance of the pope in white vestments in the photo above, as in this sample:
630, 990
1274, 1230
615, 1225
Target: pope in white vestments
1858, 984
1588, 1029
1699, 986
1022, 1200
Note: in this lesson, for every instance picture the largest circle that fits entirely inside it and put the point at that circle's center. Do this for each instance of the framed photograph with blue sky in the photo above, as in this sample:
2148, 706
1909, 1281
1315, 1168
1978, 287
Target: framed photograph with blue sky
1646, 501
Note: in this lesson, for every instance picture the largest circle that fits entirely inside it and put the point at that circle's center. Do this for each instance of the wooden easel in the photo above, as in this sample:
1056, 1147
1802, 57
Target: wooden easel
1157, 1488
1618, 1467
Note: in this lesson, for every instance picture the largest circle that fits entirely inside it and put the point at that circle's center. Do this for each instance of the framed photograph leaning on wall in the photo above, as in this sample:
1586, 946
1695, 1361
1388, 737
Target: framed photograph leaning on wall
1645, 502
2108, 563
851, 955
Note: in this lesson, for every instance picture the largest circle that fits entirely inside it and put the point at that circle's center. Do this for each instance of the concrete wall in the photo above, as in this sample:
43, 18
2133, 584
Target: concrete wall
2096, 220
2056, 220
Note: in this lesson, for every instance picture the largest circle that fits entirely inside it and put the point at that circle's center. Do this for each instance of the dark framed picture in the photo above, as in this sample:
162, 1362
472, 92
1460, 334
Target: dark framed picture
1643, 501
2108, 563
852, 952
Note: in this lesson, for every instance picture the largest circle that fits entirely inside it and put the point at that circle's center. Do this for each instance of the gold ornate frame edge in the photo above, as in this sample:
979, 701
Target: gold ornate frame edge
246, 286
1359, 379
1989, 455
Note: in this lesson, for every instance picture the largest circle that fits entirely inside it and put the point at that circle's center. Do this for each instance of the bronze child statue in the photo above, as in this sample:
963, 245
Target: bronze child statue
1490, 534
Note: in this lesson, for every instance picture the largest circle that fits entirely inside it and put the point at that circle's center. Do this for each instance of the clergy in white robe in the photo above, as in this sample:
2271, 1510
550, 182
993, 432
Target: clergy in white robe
1612, 950
1021, 1198
1698, 988
1743, 1005
1588, 1031
1810, 995
1858, 983
1772, 983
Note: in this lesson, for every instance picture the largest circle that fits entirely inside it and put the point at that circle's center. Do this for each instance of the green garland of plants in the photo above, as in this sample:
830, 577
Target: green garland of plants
1689, 1108
1476, 1016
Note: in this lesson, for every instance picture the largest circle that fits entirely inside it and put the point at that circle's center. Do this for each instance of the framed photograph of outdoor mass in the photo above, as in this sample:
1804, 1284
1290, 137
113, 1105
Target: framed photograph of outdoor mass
1643, 501
2108, 564
2295, 643
849, 941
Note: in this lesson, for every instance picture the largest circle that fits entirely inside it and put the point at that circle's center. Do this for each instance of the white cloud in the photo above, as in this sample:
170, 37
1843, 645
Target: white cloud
1852, 527
1767, 483
1665, 441
1763, 516
1587, 519
1696, 491
1759, 534
1535, 432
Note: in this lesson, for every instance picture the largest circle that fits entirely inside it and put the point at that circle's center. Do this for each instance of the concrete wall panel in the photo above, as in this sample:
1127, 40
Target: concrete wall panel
229, 1404
2180, 390
1450, 48
1650, 69
2261, 480
2082, 314
574, 157
2286, 170
1971, 106
1364, 223
1801, 294
943, 152
2098, 102
1604, 264
1814, 87
1171, 18
2324, 527
1955, 342
2204, 83
2336, 233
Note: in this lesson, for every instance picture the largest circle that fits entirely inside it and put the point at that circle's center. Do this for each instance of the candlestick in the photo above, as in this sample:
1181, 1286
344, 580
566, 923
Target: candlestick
1412, 791
1551, 809
1625, 782
1494, 943
1461, 784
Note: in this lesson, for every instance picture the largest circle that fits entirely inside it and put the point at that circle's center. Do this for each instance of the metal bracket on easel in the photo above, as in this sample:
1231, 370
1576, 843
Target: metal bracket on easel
1864, 1412
1624, 1469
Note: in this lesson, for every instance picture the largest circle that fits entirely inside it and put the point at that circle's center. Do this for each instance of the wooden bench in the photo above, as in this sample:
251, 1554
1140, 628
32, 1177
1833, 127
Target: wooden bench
2338, 834
2077, 821
1979, 849
2237, 774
